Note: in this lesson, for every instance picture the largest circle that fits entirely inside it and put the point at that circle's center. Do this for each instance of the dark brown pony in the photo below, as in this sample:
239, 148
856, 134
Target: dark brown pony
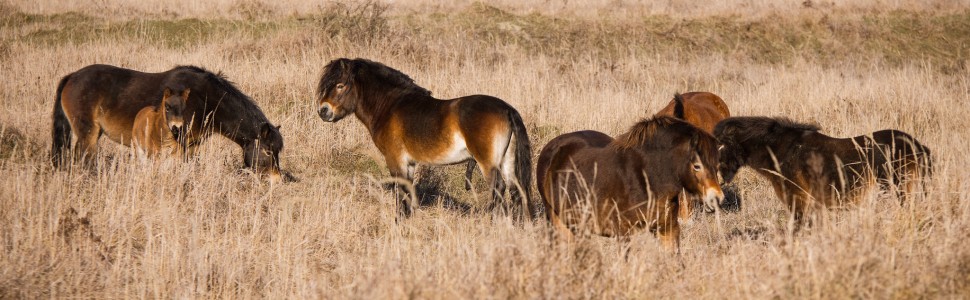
629, 183
104, 100
808, 169
157, 127
409, 126
703, 110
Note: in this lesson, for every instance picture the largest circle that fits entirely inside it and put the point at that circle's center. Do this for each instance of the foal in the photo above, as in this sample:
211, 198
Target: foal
808, 169
158, 127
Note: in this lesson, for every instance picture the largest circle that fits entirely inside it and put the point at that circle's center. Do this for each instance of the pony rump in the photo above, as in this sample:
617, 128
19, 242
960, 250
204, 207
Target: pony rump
61, 131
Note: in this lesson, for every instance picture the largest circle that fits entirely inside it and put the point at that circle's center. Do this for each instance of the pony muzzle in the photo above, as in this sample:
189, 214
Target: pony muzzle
713, 198
327, 113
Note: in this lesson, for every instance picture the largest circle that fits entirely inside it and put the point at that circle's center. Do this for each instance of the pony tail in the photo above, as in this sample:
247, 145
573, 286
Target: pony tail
679, 106
61, 129
523, 161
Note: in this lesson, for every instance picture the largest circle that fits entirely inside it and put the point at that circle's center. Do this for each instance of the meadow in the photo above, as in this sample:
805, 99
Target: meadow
203, 229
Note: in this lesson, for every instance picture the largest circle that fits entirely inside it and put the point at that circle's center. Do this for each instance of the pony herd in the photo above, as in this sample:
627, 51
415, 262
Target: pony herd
649, 177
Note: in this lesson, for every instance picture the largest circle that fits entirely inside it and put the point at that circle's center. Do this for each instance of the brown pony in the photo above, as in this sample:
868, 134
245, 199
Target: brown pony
808, 169
701, 109
628, 183
409, 126
104, 100
158, 127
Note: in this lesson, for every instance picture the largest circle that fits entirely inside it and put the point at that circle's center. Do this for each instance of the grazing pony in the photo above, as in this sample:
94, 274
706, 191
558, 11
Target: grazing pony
629, 183
409, 126
104, 100
808, 169
158, 127
703, 110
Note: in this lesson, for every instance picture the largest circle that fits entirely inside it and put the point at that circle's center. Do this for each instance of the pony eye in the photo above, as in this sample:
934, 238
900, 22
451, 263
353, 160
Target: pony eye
697, 167
340, 87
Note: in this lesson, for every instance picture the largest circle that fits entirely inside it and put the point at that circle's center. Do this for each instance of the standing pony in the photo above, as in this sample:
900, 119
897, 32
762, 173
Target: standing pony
808, 169
104, 100
703, 110
626, 184
158, 127
409, 126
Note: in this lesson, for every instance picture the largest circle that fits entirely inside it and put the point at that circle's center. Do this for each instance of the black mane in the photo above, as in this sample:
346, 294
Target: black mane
767, 129
219, 80
350, 70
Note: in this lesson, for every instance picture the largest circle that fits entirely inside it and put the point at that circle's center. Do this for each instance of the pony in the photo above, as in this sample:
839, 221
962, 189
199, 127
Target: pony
808, 169
158, 127
104, 100
629, 183
703, 110
409, 126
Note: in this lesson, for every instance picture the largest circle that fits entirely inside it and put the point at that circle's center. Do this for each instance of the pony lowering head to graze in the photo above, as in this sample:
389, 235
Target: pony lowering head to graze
409, 126
808, 169
105, 100
617, 187
159, 127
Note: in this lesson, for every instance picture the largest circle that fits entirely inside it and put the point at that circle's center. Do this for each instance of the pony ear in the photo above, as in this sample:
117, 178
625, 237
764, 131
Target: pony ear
185, 94
678, 106
343, 64
167, 93
265, 130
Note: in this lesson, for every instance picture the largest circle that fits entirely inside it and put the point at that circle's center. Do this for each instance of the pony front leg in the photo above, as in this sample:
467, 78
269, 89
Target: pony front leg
668, 229
402, 174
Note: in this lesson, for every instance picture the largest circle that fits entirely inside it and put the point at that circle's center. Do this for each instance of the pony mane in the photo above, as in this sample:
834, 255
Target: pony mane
643, 132
340, 69
767, 129
220, 80
666, 132
223, 84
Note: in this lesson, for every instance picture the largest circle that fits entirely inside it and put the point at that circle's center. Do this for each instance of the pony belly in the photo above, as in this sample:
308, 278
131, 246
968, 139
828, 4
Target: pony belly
117, 129
455, 152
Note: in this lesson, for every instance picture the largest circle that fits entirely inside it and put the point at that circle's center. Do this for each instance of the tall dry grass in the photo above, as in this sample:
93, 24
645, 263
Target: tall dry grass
202, 230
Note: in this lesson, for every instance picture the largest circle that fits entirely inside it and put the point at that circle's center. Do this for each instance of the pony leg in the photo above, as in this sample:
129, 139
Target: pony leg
399, 171
86, 145
668, 229
564, 233
497, 184
685, 211
469, 171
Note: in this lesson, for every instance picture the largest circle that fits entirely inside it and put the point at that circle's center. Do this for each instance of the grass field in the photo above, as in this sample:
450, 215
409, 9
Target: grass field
203, 230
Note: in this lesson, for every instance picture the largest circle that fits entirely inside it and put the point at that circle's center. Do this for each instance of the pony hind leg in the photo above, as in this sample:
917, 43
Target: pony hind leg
86, 135
470, 166
497, 186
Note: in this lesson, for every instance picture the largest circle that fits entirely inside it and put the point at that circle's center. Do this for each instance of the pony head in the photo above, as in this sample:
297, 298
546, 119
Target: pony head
174, 106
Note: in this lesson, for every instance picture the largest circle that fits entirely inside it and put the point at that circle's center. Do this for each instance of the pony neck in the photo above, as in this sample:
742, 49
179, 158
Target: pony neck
376, 104
236, 119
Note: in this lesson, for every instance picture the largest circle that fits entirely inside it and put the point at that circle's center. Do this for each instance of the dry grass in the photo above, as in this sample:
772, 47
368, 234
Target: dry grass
201, 230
